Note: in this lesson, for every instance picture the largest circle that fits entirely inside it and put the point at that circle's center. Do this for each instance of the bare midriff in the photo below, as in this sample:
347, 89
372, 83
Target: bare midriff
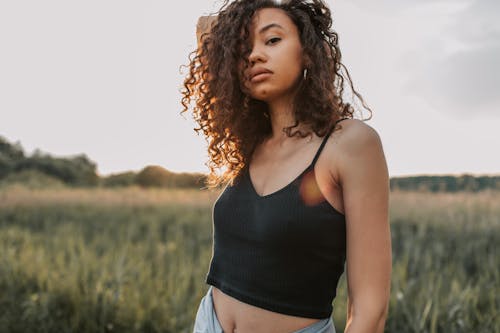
235, 316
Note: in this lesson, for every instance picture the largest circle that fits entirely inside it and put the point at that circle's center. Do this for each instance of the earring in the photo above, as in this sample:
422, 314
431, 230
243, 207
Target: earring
305, 73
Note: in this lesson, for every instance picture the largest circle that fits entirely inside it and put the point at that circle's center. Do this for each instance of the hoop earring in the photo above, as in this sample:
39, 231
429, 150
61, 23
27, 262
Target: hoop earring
305, 73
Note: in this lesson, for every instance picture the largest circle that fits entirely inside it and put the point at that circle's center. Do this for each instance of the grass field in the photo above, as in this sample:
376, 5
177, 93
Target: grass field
134, 260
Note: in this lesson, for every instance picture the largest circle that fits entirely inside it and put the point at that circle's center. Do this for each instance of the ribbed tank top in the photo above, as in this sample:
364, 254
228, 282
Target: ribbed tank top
278, 251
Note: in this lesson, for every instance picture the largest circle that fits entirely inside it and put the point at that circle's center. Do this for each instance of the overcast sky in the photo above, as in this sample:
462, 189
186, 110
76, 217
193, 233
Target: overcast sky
102, 78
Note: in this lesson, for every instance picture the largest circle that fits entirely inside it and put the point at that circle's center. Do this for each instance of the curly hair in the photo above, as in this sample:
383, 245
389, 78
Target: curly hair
233, 122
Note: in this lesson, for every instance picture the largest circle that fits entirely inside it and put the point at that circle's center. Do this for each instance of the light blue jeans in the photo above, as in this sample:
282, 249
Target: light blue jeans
206, 320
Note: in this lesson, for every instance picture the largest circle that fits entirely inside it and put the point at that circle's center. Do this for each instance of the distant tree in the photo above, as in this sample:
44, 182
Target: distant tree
185, 179
76, 171
119, 179
31, 178
157, 176
154, 176
10, 155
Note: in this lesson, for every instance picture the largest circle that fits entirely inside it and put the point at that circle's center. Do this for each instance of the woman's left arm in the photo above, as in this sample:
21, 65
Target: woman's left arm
363, 175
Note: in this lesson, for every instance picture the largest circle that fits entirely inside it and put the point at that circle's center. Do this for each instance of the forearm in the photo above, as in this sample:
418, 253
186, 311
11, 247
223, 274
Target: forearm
366, 323
365, 326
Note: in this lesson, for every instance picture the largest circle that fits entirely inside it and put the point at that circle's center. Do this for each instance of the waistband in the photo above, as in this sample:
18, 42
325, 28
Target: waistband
207, 322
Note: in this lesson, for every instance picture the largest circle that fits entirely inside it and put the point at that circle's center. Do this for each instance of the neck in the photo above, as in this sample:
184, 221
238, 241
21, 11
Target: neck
281, 115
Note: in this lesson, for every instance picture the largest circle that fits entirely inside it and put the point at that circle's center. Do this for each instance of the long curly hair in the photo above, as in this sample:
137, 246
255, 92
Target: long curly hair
233, 122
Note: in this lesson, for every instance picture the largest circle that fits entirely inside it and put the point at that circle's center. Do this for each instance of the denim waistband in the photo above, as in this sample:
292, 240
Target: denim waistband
207, 322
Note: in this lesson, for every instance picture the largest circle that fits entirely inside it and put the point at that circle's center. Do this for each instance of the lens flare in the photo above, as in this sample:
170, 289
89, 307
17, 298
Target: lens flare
309, 190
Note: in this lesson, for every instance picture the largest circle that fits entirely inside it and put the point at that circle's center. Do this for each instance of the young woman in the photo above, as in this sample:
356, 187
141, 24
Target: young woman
306, 185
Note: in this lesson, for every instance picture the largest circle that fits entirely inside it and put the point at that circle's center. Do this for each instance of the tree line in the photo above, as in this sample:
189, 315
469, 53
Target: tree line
464, 182
79, 171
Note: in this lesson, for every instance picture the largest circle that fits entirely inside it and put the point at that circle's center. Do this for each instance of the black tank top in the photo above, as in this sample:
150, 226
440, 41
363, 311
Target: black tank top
282, 252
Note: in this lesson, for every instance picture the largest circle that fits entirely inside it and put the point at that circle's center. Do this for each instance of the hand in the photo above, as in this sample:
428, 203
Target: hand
204, 25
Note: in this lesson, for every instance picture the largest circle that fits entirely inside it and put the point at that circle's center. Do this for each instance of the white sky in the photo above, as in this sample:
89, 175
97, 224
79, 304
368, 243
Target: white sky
102, 78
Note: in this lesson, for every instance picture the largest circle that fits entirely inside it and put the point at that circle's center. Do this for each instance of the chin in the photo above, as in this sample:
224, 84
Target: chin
268, 93
264, 94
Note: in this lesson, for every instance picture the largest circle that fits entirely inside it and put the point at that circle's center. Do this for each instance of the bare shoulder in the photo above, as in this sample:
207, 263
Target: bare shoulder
354, 132
351, 139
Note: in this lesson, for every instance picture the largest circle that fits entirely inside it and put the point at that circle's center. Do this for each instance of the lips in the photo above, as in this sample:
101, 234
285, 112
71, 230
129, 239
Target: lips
258, 71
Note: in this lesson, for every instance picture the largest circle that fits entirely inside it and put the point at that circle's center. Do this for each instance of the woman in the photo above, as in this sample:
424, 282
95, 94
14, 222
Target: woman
296, 206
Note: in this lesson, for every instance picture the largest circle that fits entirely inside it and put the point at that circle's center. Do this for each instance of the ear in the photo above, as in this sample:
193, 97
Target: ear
204, 25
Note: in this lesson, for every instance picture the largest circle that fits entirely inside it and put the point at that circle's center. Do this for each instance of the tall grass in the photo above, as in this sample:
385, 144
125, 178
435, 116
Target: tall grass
134, 260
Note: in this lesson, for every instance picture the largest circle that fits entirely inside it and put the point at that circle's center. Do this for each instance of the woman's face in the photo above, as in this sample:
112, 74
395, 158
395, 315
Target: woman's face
276, 57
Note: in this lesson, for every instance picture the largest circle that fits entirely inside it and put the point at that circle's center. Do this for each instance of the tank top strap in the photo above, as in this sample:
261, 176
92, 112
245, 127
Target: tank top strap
324, 141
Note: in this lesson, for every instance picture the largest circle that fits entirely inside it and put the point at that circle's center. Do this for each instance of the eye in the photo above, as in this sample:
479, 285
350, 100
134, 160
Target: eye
273, 39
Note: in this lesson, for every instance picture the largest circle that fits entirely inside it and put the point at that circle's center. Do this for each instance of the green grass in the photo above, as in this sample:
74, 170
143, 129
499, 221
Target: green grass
135, 261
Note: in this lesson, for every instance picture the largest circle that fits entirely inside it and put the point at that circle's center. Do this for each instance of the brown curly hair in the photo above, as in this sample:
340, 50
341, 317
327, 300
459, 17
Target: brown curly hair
235, 123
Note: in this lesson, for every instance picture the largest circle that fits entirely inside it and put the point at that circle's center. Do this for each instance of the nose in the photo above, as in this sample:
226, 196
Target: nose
256, 55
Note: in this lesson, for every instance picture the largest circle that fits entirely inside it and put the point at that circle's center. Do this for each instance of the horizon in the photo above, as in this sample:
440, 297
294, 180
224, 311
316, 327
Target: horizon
166, 168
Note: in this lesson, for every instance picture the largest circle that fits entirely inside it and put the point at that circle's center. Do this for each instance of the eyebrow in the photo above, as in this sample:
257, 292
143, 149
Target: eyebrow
269, 26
